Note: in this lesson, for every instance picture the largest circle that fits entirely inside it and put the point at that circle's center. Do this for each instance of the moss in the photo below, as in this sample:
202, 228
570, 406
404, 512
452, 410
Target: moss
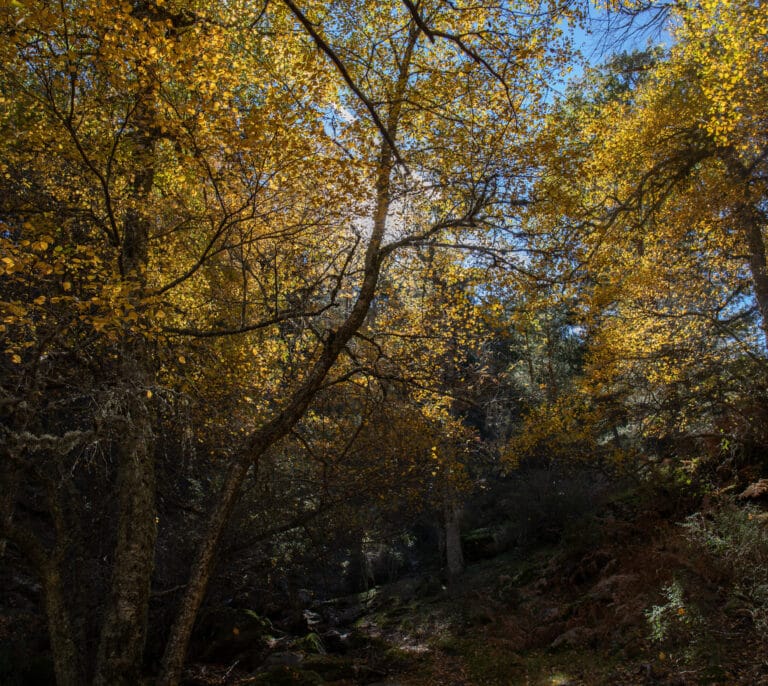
487, 663
311, 643
569, 666
491, 663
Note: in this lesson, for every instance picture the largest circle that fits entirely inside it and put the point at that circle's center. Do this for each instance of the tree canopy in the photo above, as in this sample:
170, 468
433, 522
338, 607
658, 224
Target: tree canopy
269, 263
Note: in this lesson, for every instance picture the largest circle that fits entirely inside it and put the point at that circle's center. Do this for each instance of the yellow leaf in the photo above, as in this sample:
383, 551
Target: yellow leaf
39, 300
149, 394
16, 359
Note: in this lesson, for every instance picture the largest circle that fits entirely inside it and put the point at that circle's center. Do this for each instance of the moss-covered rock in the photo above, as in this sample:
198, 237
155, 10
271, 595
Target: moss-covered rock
312, 644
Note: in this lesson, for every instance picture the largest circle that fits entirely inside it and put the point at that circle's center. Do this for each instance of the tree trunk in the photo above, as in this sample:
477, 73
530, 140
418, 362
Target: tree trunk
9, 484
123, 635
751, 222
181, 631
454, 555
124, 630
66, 658
262, 440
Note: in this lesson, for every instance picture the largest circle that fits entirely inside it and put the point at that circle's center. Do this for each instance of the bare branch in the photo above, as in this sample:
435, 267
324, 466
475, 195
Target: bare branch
331, 53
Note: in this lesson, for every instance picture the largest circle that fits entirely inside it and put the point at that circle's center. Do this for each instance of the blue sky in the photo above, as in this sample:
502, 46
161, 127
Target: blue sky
607, 33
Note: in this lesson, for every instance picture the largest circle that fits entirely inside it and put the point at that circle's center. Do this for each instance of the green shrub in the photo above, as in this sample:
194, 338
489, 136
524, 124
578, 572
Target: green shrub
676, 622
736, 542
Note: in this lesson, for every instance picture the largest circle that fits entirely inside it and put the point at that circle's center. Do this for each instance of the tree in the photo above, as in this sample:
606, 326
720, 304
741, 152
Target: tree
666, 226
199, 194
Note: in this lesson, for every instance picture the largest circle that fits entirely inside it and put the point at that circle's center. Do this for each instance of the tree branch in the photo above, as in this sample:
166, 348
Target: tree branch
331, 54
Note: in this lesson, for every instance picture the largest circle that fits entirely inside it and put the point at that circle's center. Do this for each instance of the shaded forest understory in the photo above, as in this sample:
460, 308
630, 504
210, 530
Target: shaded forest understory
655, 582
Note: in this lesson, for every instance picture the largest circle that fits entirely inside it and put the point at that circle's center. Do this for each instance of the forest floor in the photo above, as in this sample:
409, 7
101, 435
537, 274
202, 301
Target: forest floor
582, 612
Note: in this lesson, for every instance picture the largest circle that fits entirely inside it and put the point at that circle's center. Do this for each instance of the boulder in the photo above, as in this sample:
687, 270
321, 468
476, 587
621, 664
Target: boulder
336, 641
755, 491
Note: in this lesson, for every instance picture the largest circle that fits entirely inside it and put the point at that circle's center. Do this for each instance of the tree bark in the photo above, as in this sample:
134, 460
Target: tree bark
9, 483
753, 231
124, 630
263, 439
66, 657
123, 635
751, 222
453, 553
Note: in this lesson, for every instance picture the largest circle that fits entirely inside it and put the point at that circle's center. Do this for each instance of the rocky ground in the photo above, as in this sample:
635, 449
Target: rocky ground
582, 612
643, 592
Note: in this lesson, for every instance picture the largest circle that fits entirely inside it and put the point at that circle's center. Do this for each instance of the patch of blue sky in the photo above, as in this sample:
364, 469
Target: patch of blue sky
605, 33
